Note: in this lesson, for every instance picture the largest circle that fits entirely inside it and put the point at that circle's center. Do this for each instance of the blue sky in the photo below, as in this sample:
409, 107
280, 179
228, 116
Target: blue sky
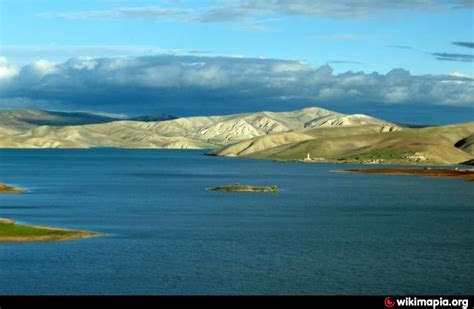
359, 36
371, 41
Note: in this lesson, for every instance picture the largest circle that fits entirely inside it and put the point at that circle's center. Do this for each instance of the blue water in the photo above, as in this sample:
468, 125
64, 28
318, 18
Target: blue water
324, 233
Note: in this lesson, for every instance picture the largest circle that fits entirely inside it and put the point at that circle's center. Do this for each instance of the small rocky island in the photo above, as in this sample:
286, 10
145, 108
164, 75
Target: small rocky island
245, 188
12, 232
8, 189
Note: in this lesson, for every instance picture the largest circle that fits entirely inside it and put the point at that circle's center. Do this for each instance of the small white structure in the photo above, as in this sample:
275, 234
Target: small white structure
308, 157
417, 157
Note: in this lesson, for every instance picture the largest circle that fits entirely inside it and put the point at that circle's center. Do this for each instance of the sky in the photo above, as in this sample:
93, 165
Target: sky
406, 60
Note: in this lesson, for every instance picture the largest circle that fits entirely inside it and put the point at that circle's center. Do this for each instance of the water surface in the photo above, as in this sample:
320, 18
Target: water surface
324, 233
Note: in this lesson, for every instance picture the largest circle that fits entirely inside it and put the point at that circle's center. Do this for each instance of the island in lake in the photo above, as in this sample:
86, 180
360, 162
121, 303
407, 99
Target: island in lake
12, 232
467, 174
245, 188
8, 189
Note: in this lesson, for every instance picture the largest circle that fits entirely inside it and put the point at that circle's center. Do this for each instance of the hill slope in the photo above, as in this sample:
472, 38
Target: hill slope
22, 120
192, 132
364, 144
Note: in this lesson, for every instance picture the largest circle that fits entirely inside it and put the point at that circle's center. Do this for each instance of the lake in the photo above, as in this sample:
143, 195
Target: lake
323, 233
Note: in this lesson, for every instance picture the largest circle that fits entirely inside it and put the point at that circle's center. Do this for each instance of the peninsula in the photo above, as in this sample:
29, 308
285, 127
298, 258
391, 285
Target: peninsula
467, 174
12, 232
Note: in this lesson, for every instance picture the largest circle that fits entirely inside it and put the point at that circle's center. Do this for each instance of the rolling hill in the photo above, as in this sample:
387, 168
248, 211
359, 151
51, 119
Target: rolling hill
21, 120
364, 144
308, 135
192, 132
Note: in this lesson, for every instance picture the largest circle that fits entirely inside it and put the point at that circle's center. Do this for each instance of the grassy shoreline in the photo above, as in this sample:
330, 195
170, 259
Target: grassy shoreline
12, 232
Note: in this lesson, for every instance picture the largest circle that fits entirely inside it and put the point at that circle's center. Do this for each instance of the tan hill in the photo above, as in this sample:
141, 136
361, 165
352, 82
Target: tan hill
318, 133
364, 144
255, 145
192, 132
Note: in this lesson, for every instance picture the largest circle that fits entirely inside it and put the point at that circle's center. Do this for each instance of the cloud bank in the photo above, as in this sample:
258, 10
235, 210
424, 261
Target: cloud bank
206, 85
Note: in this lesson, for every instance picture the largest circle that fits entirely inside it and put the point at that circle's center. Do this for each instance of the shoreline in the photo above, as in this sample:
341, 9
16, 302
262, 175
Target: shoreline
12, 232
374, 162
466, 174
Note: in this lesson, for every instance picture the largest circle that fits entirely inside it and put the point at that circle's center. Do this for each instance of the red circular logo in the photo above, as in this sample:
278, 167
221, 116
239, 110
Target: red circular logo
388, 302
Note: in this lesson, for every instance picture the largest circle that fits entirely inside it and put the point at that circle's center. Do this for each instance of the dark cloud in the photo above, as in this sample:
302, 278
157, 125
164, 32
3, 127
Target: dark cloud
464, 44
454, 57
209, 85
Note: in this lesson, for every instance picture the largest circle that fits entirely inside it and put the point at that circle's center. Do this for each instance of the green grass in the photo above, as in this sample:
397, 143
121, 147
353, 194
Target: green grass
390, 154
11, 232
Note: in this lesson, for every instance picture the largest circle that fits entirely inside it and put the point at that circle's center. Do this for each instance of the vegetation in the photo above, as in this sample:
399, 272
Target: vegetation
245, 188
7, 189
441, 145
11, 232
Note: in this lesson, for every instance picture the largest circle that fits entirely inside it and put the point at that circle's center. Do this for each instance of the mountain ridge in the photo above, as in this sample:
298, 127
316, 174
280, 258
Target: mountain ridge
190, 132
306, 135
365, 144
25, 119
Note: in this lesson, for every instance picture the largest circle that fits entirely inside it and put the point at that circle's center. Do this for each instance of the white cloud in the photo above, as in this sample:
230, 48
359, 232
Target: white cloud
133, 83
148, 12
7, 71
25, 54
38, 69
238, 10
460, 74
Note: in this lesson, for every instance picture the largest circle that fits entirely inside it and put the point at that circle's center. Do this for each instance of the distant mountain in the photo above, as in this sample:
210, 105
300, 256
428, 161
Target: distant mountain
192, 132
29, 118
323, 135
